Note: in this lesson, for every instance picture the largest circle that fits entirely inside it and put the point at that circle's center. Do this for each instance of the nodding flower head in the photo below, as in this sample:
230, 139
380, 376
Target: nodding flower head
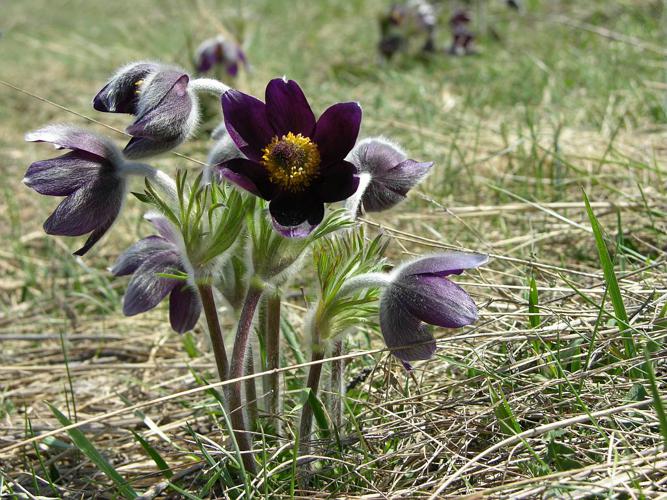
91, 176
292, 160
386, 174
419, 295
222, 51
145, 261
160, 98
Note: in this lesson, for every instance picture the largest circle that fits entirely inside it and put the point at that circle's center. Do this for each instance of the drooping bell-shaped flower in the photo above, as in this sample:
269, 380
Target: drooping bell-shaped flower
220, 50
161, 99
420, 294
146, 260
92, 177
386, 174
292, 160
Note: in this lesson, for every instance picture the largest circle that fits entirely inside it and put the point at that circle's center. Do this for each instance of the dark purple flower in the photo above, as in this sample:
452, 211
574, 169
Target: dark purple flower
293, 161
462, 37
220, 51
90, 176
420, 295
146, 260
160, 98
386, 174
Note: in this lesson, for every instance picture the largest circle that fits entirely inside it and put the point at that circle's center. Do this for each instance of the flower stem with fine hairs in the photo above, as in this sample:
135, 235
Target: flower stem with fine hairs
272, 343
243, 332
336, 388
314, 373
251, 388
214, 331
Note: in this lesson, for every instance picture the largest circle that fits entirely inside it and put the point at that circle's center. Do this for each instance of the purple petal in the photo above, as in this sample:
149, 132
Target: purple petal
166, 229
69, 137
119, 95
146, 289
337, 130
169, 121
337, 182
408, 338
295, 215
184, 308
143, 147
63, 175
287, 108
130, 260
95, 236
247, 123
248, 175
435, 300
444, 264
233, 69
376, 155
90, 207
388, 188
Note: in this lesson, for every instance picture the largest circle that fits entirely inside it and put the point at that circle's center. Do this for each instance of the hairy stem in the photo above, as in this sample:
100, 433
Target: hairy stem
314, 373
214, 331
236, 371
337, 389
272, 343
251, 388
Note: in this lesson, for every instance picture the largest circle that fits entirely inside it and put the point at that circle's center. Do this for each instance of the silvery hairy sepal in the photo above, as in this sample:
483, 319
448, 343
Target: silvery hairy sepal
386, 175
92, 177
161, 98
420, 294
148, 261
224, 149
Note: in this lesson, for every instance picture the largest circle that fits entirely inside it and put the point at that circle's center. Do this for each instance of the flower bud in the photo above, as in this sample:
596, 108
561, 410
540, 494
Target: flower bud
161, 99
388, 171
221, 51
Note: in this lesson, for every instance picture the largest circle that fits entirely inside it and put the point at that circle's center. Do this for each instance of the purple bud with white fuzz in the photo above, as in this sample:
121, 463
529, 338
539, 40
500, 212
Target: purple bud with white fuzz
161, 99
386, 172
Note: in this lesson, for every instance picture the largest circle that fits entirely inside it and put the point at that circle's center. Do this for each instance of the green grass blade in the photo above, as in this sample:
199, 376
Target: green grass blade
88, 449
612, 282
657, 399
155, 455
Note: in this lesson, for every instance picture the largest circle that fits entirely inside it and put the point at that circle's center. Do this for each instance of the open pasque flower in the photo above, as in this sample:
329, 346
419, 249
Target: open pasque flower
386, 174
419, 294
92, 176
222, 51
146, 260
292, 160
160, 98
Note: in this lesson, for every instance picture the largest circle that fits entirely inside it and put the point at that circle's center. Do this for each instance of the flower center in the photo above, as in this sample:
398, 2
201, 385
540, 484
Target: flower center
292, 161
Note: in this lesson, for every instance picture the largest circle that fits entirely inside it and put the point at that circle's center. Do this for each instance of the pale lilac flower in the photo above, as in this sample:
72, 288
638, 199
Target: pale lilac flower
91, 176
420, 294
146, 260
386, 174
222, 51
161, 99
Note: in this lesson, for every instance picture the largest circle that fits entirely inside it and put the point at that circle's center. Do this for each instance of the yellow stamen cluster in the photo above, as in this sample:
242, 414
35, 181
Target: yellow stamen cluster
138, 84
292, 161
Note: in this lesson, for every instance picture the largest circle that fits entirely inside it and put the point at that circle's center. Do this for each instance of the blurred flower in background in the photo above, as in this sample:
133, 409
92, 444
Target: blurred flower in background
462, 37
220, 51
404, 23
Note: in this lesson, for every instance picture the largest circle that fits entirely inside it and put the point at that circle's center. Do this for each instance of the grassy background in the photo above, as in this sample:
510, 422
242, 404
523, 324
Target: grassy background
567, 95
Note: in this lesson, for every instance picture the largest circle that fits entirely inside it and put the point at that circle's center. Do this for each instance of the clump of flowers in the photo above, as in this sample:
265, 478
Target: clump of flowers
240, 230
